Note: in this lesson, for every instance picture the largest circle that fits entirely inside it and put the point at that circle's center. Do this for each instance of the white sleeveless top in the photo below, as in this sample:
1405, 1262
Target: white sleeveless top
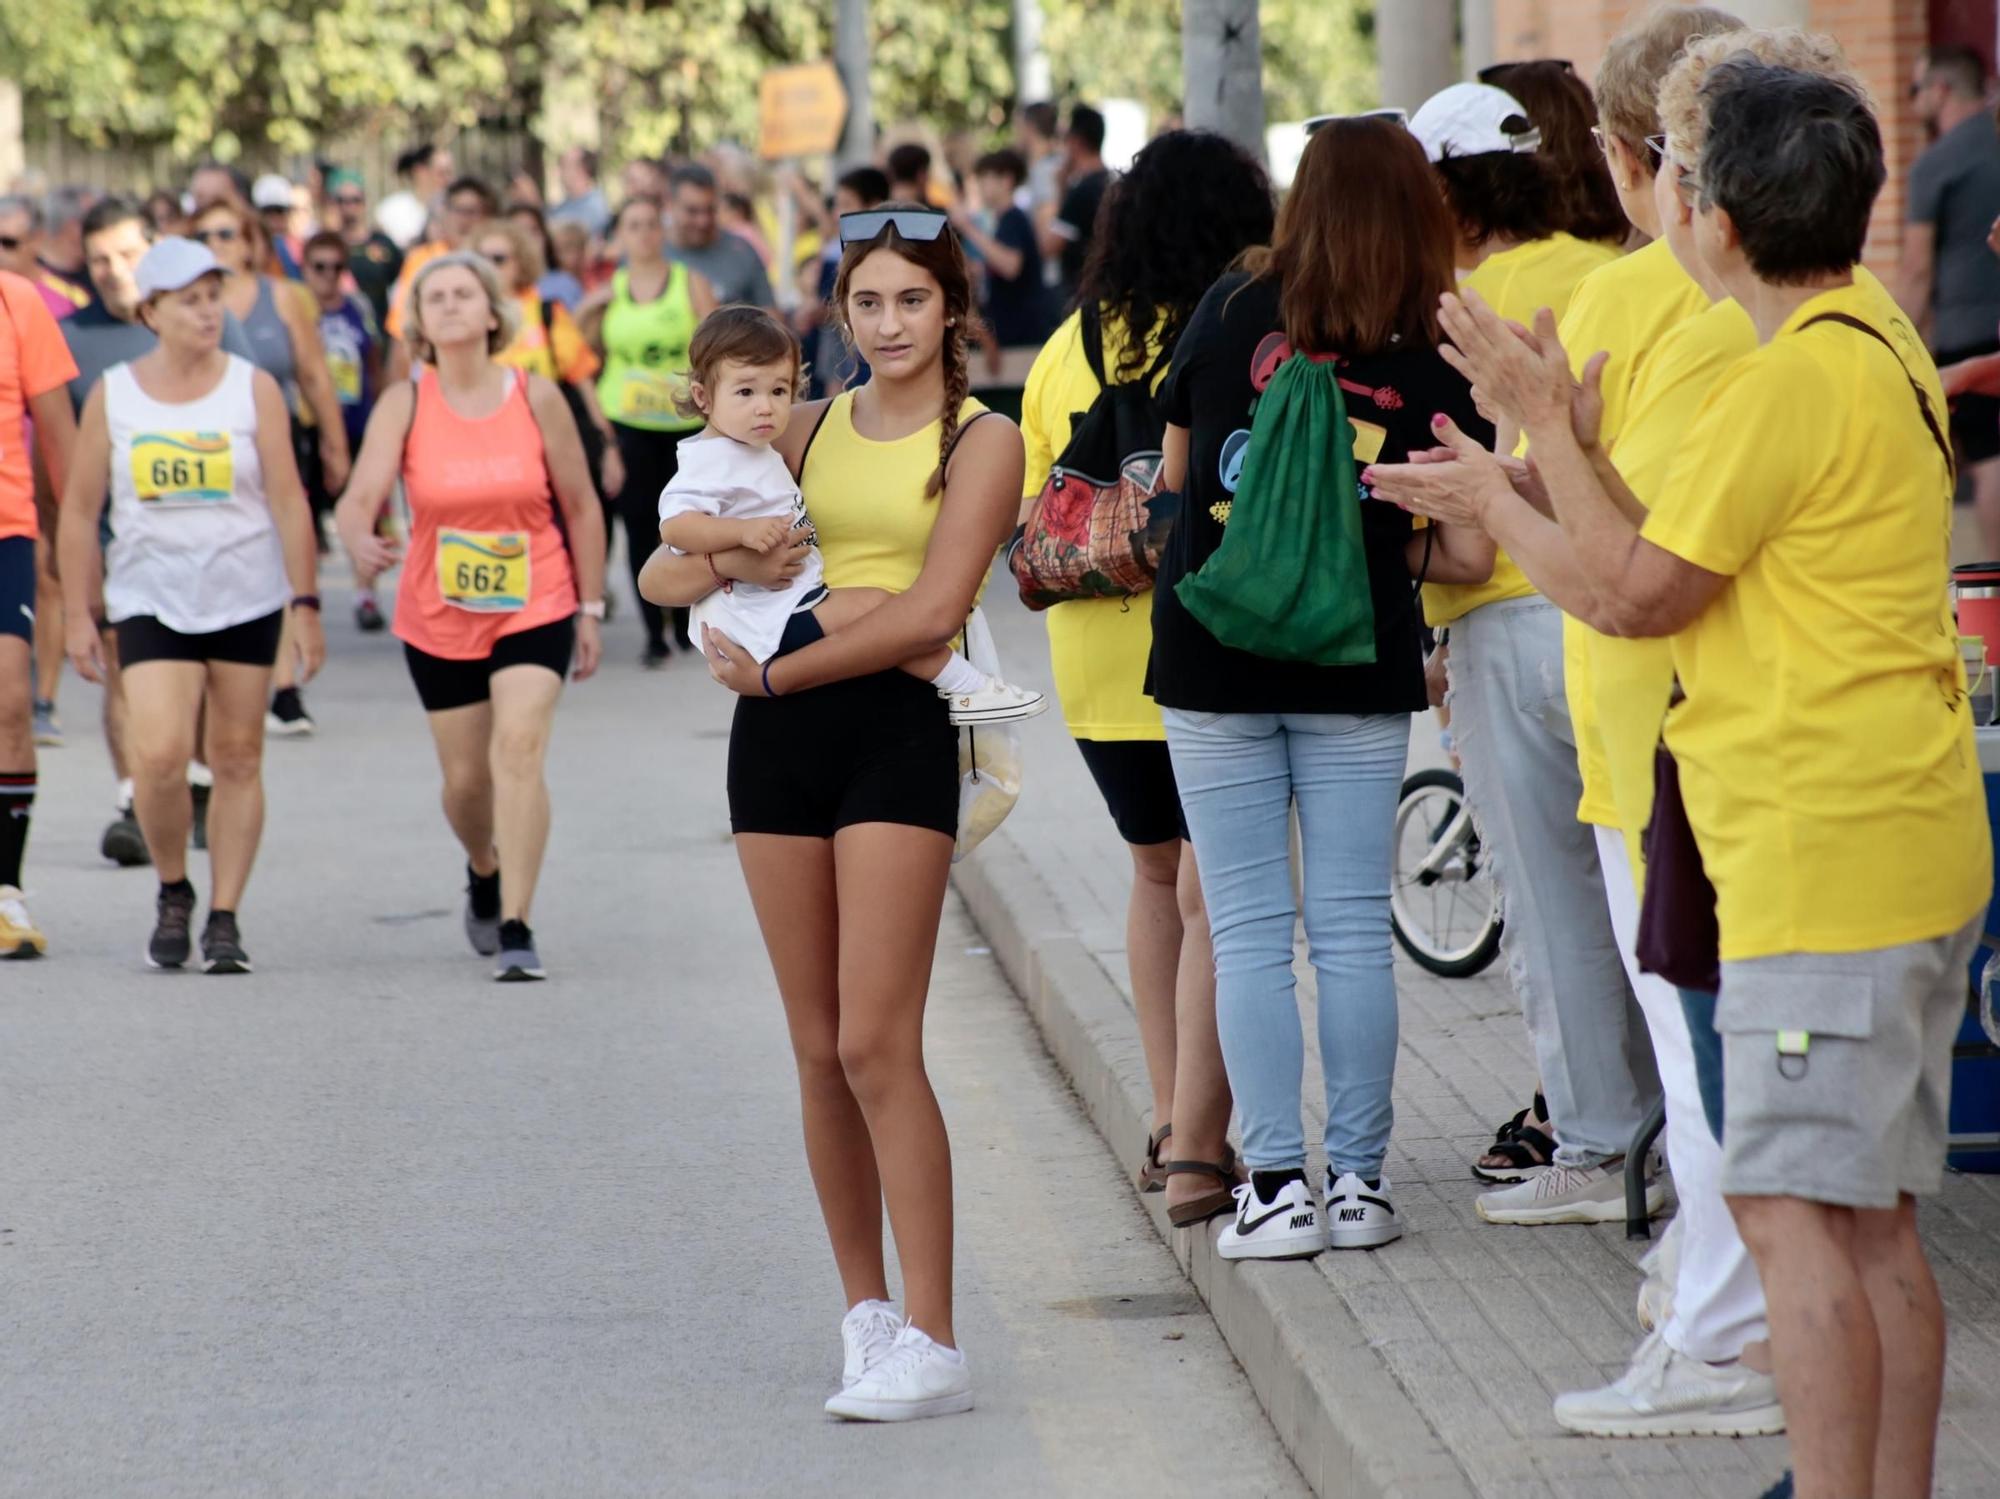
192, 542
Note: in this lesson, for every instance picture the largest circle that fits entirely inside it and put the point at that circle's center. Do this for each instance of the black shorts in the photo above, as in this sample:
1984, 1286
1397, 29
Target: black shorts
1975, 419
17, 587
443, 683
1136, 779
253, 643
873, 749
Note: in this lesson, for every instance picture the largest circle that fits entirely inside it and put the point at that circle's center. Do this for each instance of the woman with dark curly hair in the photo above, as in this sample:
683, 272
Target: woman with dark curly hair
1191, 204
1561, 106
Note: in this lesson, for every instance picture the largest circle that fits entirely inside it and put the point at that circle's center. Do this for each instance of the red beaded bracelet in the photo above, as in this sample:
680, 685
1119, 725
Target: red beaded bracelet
725, 584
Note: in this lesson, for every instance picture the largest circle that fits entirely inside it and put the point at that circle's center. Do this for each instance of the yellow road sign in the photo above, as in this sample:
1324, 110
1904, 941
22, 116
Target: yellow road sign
800, 111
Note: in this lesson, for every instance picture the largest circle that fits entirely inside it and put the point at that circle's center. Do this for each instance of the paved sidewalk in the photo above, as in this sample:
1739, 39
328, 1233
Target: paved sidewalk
1426, 1368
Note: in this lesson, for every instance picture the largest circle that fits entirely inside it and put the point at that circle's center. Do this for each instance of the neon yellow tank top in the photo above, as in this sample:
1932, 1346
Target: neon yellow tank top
867, 502
646, 354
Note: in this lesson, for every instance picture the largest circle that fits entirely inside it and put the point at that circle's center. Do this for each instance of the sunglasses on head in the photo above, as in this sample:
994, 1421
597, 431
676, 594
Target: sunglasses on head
224, 236
1395, 116
919, 224
1495, 70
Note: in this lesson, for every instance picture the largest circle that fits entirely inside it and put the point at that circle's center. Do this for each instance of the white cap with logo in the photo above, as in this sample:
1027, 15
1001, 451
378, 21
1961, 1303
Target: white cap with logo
271, 190
1473, 119
172, 264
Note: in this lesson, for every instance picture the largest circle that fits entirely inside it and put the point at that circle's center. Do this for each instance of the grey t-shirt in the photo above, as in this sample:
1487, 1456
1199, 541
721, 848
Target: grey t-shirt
97, 340
732, 268
1955, 187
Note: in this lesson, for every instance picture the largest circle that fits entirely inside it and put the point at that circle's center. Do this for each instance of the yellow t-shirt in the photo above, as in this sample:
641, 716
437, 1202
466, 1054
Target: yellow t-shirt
1516, 283
1825, 747
1631, 680
1098, 648
867, 499
549, 343
1624, 308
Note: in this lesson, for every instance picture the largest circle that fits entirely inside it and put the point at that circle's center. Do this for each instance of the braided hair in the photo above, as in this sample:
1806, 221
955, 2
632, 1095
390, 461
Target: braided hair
944, 259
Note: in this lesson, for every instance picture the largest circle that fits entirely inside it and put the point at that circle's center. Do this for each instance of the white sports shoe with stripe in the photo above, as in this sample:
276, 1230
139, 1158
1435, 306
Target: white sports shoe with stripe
1667, 1394
1359, 1216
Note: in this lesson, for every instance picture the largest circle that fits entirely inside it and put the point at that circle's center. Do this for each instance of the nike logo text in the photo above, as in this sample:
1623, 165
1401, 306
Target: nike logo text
1353, 1215
1302, 1220
1251, 1225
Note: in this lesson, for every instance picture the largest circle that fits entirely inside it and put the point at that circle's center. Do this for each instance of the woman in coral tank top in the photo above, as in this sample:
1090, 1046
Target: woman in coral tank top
494, 605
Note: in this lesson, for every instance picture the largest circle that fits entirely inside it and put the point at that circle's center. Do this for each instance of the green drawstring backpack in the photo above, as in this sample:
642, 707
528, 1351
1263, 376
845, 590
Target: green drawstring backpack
1290, 580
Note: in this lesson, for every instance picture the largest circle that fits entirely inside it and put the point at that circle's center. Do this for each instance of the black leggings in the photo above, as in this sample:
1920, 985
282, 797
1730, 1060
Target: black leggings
651, 459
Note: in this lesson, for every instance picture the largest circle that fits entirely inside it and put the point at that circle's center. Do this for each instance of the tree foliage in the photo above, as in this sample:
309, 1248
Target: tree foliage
260, 77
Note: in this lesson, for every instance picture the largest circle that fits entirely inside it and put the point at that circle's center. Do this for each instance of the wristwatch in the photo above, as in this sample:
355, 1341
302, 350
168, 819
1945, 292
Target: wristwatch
591, 609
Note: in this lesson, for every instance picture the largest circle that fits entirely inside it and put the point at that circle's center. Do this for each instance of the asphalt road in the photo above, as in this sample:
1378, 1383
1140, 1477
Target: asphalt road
366, 1223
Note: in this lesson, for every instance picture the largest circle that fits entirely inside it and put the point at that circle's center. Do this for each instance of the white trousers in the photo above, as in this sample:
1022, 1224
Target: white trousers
1718, 1299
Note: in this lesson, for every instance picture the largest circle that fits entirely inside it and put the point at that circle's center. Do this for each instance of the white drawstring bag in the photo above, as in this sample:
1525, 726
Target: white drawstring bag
989, 755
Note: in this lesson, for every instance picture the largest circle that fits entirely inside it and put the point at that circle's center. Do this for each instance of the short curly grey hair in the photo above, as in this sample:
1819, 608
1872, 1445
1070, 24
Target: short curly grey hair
506, 310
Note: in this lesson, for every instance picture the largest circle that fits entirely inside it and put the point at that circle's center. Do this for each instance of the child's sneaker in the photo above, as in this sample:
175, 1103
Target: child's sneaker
996, 702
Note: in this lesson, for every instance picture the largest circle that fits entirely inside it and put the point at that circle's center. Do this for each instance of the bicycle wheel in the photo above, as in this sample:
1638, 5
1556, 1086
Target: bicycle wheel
1444, 905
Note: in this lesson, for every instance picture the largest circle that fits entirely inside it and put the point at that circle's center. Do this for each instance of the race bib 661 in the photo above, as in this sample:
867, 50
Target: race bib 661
182, 469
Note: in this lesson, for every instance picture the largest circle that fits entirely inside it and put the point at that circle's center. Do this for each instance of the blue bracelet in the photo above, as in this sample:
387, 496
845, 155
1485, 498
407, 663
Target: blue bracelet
768, 692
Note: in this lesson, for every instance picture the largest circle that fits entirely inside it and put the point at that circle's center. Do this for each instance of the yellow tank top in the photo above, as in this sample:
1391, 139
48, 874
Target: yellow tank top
867, 501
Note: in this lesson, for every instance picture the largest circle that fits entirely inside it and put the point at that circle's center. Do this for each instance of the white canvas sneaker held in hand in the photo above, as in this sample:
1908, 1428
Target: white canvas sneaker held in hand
1668, 1394
916, 1378
867, 1333
1288, 1227
1359, 1216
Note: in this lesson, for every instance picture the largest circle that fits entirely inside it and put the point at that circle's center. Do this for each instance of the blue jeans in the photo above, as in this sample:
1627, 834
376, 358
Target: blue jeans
1239, 774
1699, 1006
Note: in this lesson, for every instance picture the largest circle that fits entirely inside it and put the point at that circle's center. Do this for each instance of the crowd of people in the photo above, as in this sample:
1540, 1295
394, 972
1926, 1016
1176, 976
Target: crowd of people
1570, 410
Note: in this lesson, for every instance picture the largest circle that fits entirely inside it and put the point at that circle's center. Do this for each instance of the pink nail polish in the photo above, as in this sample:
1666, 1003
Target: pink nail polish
1439, 420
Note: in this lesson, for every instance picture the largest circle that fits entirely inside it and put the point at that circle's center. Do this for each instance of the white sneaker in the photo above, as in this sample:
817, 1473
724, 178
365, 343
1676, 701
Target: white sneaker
1359, 1216
1667, 1394
1288, 1227
914, 1379
996, 702
1569, 1194
867, 1332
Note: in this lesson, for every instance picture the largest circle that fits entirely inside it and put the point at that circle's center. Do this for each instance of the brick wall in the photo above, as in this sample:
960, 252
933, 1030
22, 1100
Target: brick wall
1882, 37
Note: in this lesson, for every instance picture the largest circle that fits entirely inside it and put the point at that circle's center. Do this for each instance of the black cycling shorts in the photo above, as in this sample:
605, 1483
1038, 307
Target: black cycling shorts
253, 643
443, 683
17, 587
874, 749
1975, 419
1136, 779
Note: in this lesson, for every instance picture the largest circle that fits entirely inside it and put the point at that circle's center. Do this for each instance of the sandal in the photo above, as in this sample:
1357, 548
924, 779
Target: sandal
1520, 1150
1152, 1172
1210, 1204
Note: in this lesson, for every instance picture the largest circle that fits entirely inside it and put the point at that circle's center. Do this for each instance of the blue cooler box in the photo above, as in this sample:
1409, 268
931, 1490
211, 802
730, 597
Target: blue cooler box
1975, 1073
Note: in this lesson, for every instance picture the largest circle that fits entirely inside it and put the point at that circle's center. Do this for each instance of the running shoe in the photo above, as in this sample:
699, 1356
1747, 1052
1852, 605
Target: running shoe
483, 932
171, 947
1668, 1394
1284, 1226
1359, 1216
916, 1378
48, 728
996, 702
288, 718
867, 1333
200, 793
1569, 1194
124, 845
19, 936
368, 615
517, 962
222, 945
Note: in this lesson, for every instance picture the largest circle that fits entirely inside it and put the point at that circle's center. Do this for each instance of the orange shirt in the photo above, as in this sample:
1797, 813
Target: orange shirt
399, 299
485, 557
34, 359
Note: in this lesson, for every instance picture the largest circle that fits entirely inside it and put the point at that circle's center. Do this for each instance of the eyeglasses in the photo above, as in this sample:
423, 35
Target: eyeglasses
325, 267
1395, 116
1656, 145
217, 236
1495, 70
1688, 186
921, 225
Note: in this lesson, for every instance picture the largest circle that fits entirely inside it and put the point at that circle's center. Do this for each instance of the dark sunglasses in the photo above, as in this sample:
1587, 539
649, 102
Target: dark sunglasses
325, 267
1395, 116
921, 225
216, 236
1495, 70
10, 241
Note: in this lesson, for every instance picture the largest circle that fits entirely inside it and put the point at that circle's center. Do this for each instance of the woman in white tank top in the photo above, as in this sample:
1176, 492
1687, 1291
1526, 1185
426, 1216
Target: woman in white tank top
212, 543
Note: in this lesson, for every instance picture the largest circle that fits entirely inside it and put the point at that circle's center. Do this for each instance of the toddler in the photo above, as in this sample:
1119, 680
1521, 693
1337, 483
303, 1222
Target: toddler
733, 490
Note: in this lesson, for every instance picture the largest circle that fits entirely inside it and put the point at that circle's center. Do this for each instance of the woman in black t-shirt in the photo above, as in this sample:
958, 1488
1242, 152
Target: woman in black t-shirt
1362, 253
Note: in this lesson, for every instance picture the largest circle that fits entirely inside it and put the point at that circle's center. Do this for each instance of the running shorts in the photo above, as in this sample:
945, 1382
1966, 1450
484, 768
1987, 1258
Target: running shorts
17, 587
443, 684
253, 643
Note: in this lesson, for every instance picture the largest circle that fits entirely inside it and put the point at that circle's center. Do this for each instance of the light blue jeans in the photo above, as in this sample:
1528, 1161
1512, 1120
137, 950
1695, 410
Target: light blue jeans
1239, 774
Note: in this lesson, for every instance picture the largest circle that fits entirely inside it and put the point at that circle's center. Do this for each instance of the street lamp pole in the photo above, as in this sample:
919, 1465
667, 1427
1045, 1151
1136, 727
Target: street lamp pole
850, 55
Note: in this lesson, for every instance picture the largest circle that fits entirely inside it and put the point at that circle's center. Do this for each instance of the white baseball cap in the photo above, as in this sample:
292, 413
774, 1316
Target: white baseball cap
1473, 119
173, 263
272, 191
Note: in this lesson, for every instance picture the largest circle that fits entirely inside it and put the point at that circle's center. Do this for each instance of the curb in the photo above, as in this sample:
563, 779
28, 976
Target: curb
1340, 1413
